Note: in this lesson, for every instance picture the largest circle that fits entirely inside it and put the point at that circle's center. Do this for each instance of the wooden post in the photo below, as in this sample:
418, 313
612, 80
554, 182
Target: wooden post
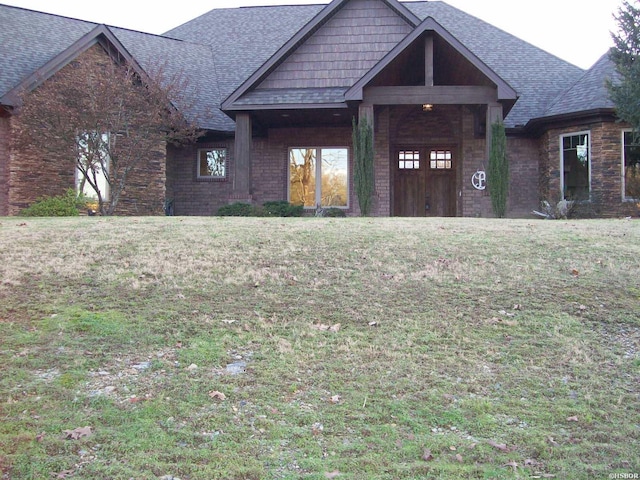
242, 174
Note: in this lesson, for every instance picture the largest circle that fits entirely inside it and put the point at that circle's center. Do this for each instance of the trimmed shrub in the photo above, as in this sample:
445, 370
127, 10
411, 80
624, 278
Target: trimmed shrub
282, 208
334, 213
67, 205
237, 209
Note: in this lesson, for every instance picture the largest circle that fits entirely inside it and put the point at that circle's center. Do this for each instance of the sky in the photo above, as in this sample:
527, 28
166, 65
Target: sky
578, 31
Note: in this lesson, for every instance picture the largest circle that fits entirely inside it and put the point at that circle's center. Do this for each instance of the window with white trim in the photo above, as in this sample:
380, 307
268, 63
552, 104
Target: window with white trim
212, 164
631, 165
319, 177
575, 163
92, 167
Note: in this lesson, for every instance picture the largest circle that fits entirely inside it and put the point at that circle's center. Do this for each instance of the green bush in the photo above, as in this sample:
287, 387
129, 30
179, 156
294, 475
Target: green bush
237, 209
67, 205
335, 212
282, 208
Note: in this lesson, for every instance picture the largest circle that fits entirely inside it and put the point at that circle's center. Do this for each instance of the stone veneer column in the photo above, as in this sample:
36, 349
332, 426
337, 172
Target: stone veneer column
5, 156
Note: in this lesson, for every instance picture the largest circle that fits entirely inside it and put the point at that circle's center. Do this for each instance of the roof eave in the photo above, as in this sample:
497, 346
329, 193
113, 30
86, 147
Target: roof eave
538, 125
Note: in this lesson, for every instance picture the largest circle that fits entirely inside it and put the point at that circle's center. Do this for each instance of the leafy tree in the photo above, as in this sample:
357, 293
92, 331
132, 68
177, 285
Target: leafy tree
105, 116
363, 157
625, 90
498, 172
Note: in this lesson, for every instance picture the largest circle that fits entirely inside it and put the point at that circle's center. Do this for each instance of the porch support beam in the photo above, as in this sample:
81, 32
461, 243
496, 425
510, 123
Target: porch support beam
494, 114
438, 95
242, 170
365, 110
428, 61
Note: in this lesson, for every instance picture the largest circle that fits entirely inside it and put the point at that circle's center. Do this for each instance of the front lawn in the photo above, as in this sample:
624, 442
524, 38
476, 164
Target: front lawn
270, 348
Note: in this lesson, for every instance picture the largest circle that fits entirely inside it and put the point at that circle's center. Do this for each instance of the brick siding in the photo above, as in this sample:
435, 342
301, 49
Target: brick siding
193, 196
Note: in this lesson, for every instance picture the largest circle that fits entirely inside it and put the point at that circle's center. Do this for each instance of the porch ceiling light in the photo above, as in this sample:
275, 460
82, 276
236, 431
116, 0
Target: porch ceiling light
427, 107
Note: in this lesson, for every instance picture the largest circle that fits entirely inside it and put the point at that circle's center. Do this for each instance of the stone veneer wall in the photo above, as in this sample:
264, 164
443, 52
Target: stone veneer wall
5, 157
31, 174
606, 169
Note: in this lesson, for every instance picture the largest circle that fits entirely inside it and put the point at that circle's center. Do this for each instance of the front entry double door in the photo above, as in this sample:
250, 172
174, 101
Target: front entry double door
424, 182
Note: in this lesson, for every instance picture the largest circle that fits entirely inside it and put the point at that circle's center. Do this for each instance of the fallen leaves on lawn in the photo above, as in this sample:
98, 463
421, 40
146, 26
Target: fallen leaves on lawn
333, 474
572, 419
513, 465
459, 458
326, 328
427, 456
216, 395
317, 428
500, 446
77, 433
63, 474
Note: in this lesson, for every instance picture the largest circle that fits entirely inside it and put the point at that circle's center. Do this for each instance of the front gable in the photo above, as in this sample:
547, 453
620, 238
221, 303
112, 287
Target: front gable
433, 58
343, 49
334, 50
101, 35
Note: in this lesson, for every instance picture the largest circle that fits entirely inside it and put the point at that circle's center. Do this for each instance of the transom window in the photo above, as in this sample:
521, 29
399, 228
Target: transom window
319, 177
212, 163
575, 152
631, 166
440, 160
409, 160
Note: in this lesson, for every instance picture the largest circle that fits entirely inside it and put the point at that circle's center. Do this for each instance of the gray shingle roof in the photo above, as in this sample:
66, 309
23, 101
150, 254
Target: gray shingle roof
244, 38
588, 93
29, 39
219, 50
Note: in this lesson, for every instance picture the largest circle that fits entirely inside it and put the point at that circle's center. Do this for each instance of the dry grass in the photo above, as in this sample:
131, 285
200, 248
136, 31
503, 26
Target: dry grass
507, 349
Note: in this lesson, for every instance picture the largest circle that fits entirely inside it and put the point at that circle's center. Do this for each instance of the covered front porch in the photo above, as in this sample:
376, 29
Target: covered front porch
430, 101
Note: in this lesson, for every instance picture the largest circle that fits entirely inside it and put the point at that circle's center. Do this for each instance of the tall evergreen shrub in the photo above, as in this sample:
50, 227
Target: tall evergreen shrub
363, 177
498, 173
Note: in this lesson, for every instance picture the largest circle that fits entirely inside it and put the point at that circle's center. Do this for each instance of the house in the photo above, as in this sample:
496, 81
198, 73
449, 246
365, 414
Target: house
277, 89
